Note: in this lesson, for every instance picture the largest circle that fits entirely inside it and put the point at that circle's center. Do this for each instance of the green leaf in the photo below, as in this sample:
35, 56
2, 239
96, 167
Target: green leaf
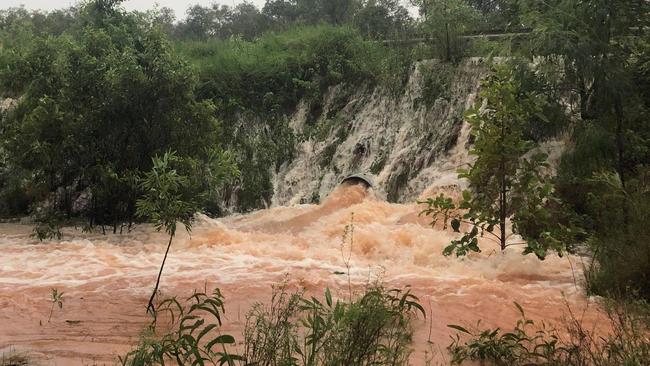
328, 297
467, 195
205, 331
521, 310
542, 117
458, 328
455, 224
417, 305
449, 249
473, 245
222, 339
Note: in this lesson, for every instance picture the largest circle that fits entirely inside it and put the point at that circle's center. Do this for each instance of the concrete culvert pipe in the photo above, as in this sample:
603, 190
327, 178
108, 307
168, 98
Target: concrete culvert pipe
358, 179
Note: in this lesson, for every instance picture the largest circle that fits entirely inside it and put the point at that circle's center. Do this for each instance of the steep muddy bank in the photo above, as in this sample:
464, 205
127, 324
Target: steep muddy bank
398, 140
107, 279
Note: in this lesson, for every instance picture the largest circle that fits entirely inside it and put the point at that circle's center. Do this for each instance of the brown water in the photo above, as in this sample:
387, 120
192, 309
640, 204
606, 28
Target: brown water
107, 279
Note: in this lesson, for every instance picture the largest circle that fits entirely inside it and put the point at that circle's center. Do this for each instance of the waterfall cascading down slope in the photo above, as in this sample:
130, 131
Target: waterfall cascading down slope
400, 141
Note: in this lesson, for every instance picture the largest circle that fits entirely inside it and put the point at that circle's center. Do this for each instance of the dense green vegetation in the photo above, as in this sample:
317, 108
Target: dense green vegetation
593, 57
605, 63
95, 105
119, 117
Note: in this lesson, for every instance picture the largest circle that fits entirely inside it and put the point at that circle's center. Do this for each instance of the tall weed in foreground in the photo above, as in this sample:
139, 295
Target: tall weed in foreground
373, 329
293, 329
194, 338
530, 344
57, 299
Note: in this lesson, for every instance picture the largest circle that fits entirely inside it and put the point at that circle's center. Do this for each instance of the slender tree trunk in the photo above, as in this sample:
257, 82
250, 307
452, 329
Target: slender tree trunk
448, 44
502, 194
447, 36
502, 206
620, 150
51, 311
91, 219
582, 90
150, 307
620, 131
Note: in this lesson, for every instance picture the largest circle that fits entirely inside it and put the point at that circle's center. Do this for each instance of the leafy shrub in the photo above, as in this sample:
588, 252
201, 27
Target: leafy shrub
194, 340
48, 223
328, 154
97, 103
530, 344
621, 247
281, 68
374, 329
615, 215
14, 200
436, 82
485, 47
379, 163
270, 330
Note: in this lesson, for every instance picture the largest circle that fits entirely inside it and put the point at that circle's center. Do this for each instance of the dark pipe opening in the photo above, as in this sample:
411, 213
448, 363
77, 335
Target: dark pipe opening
358, 179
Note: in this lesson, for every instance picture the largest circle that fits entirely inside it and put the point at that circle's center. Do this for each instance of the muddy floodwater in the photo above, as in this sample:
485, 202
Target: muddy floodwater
107, 279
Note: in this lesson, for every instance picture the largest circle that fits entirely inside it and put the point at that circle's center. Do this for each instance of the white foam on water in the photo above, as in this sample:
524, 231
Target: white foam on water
107, 278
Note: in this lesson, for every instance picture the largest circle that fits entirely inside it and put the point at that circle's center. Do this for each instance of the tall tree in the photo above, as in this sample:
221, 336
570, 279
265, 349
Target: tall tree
598, 53
246, 21
382, 19
507, 182
445, 21
282, 12
167, 201
96, 105
591, 43
202, 22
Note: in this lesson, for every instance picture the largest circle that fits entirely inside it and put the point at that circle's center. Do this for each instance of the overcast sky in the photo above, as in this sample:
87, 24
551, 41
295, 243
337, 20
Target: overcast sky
179, 6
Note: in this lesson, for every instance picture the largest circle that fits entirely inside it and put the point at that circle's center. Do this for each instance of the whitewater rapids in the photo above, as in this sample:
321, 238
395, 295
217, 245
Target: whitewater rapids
106, 279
